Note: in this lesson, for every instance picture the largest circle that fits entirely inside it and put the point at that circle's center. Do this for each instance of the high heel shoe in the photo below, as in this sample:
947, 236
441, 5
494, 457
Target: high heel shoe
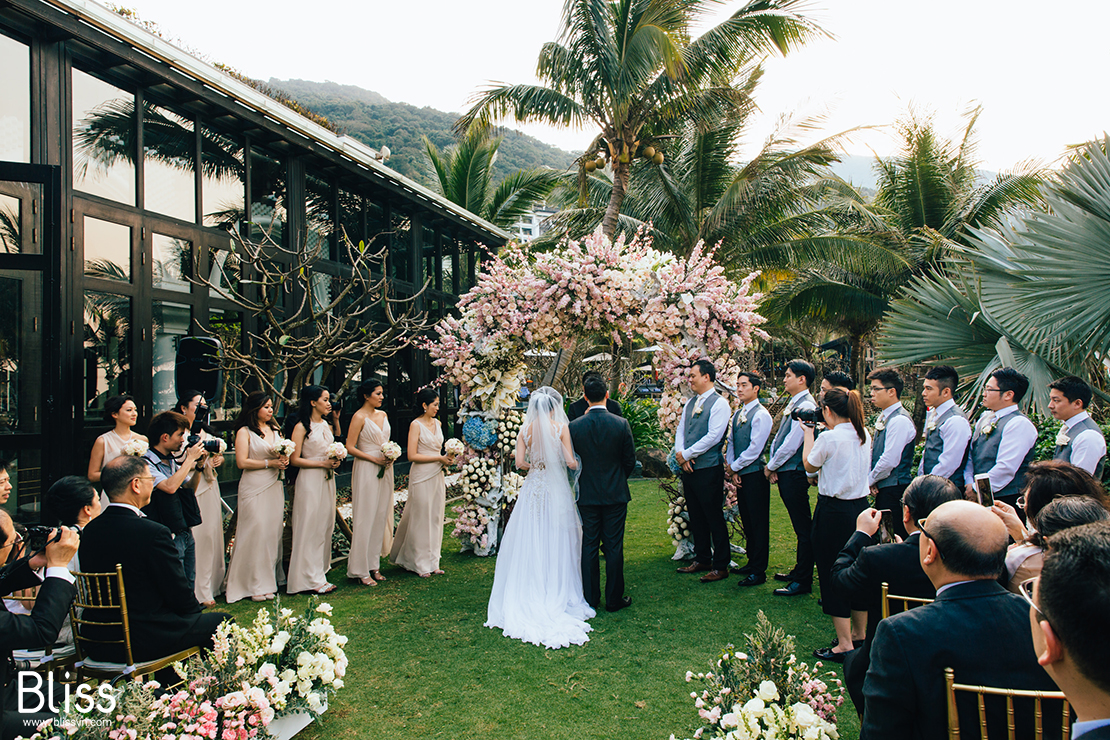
377, 575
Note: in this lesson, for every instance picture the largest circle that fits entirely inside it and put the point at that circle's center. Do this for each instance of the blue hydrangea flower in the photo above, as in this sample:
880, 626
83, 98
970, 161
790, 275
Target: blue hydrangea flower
672, 463
478, 433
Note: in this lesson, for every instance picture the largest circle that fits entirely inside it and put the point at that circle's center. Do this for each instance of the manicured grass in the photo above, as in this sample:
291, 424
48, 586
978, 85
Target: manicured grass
422, 664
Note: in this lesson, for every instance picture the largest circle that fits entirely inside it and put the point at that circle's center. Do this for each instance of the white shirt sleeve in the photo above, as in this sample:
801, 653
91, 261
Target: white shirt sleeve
793, 441
718, 425
761, 430
680, 433
63, 573
1087, 448
899, 433
1018, 437
823, 448
955, 433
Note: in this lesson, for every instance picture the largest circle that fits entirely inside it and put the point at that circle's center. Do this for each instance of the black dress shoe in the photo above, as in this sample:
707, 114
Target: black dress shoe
855, 643
784, 577
743, 570
794, 589
625, 601
753, 579
694, 567
829, 654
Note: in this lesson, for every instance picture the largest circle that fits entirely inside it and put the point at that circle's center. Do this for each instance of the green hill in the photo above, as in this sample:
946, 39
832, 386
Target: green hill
372, 119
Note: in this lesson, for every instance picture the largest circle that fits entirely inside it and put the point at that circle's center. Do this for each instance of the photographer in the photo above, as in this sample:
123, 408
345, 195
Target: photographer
51, 549
174, 502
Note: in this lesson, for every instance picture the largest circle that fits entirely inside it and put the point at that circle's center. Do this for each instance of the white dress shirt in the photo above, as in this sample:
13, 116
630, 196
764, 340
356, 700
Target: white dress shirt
955, 433
719, 415
761, 431
844, 462
900, 432
795, 436
1018, 437
128, 506
1087, 447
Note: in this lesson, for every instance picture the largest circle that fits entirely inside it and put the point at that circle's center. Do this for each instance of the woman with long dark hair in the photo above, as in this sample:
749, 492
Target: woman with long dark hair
842, 458
371, 494
123, 414
313, 494
255, 567
209, 534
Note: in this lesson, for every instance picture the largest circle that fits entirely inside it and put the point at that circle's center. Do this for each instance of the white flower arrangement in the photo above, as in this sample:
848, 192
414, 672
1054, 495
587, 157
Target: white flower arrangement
510, 485
478, 477
135, 446
678, 521
390, 451
508, 427
1062, 438
336, 451
282, 448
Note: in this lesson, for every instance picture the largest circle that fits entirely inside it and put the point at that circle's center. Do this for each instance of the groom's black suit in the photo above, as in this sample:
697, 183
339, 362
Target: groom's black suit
604, 442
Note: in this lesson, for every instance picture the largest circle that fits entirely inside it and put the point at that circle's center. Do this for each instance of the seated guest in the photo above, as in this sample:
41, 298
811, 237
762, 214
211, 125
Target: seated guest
164, 615
975, 627
1047, 481
38, 629
1070, 602
578, 408
864, 565
1025, 561
73, 502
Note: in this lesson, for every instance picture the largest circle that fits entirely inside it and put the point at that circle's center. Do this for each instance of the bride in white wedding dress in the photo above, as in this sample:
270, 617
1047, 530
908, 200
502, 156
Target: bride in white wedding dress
537, 586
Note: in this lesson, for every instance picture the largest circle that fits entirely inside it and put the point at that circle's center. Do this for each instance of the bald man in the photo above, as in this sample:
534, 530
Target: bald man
975, 626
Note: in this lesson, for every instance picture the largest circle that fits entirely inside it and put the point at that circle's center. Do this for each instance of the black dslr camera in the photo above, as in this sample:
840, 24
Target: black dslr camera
38, 537
807, 416
211, 446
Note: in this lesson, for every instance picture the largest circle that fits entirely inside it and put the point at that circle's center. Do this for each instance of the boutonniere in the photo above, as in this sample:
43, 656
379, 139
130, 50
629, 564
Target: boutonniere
931, 424
1062, 438
743, 415
697, 407
988, 424
880, 423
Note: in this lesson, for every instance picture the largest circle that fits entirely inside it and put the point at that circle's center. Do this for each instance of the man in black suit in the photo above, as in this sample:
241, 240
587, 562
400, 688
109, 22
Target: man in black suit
165, 617
975, 627
578, 408
38, 629
864, 565
1069, 604
604, 442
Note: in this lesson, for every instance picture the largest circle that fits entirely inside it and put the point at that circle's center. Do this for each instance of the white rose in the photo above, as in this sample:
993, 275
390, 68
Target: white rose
1062, 439
755, 707
804, 715
768, 691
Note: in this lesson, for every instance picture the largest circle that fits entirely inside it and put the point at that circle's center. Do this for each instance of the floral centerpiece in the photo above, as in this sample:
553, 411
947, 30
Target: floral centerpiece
336, 451
508, 427
135, 446
391, 451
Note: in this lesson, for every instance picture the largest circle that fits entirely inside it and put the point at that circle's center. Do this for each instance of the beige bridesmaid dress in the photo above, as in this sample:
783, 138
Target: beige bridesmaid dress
113, 448
256, 560
209, 534
313, 516
419, 537
371, 504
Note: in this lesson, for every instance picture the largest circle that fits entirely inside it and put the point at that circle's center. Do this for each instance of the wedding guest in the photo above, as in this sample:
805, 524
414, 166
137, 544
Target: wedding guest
748, 434
836, 379
842, 455
701, 428
975, 627
255, 566
578, 408
1047, 481
863, 565
1025, 561
73, 502
1003, 439
892, 449
786, 469
1080, 441
313, 494
419, 538
5, 481
209, 534
124, 414
1069, 604
947, 431
371, 495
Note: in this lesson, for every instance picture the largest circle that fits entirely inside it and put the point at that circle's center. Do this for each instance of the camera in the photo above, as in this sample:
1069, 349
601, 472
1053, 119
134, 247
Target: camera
38, 537
211, 446
807, 416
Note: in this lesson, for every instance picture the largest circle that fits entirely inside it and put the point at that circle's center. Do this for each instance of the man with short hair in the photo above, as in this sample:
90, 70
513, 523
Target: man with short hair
1080, 441
5, 482
864, 565
1003, 440
174, 502
578, 408
164, 615
975, 626
697, 447
1070, 601
748, 434
947, 431
892, 444
836, 379
787, 470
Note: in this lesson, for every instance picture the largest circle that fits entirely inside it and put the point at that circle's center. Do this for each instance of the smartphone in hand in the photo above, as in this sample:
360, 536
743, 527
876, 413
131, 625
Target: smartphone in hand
886, 526
983, 487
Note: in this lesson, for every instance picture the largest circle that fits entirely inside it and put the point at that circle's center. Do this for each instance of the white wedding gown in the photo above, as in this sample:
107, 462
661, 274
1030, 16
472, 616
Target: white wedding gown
537, 585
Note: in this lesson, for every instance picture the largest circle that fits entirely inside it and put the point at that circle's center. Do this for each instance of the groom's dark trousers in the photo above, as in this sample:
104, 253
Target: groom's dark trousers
604, 442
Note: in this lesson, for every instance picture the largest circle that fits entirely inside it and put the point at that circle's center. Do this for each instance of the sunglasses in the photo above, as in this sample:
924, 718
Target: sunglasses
1025, 589
921, 526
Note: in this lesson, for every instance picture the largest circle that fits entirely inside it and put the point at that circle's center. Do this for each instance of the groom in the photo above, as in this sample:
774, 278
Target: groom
604, 442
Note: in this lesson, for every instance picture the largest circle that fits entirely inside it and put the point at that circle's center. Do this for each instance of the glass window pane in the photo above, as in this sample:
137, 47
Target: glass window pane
11, 224
21, 351
267, 197
15, 101
107, 356
107, 250
173, 263
222, 177
377, 227
170, 322
350, 220
169, 162
103, 139
448, 265
319, 220
225, 270
399, 246
26, 478
227, 326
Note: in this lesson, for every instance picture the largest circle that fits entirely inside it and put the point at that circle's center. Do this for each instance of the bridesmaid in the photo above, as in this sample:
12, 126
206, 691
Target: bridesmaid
121, 411
209, 534
419, 538
371, 496
255, 559
313, 495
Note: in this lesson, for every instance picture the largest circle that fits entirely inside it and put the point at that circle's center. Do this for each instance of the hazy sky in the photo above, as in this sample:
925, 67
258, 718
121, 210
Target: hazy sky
1036, 69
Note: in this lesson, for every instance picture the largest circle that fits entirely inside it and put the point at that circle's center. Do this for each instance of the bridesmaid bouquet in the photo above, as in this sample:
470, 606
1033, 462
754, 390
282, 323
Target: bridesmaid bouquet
283, 448
136, 447
336, 451
454, 447
390, 451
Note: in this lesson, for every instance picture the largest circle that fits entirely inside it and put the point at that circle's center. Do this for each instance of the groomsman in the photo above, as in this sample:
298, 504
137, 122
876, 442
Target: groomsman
1003, 439
786, 469
836, 379
748, 434
697, 447
947, 431
892, 445
1080, 441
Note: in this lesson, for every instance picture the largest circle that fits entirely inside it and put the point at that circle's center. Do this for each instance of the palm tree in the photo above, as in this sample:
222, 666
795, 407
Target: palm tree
628, 68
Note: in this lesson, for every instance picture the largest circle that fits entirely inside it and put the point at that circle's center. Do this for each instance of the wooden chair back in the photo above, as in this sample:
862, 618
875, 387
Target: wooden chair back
981, 692
97, 594
907, 602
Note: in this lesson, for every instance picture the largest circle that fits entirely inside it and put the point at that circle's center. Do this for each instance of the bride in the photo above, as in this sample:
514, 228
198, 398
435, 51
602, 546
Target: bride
537, 586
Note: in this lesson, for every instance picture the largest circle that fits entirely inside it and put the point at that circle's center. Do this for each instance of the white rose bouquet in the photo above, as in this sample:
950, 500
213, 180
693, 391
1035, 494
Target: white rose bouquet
454, 447
390, 451
135, 446
336, 451
283, 448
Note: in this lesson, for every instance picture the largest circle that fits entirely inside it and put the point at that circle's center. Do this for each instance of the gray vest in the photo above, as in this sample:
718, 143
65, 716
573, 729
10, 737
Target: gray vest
984, 453
934, 445
903, 471
697, 427
742, 439
794, 462
1064, 453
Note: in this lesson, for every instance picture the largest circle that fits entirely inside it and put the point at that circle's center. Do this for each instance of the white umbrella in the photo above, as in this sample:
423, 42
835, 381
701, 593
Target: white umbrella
600, 357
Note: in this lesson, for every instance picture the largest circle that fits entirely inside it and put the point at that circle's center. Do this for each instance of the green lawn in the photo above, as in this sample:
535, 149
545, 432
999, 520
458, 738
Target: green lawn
422, 664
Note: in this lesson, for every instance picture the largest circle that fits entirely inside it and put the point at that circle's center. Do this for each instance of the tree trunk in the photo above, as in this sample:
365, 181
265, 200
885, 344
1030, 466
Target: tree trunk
616, 198
559, 367
859, 364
